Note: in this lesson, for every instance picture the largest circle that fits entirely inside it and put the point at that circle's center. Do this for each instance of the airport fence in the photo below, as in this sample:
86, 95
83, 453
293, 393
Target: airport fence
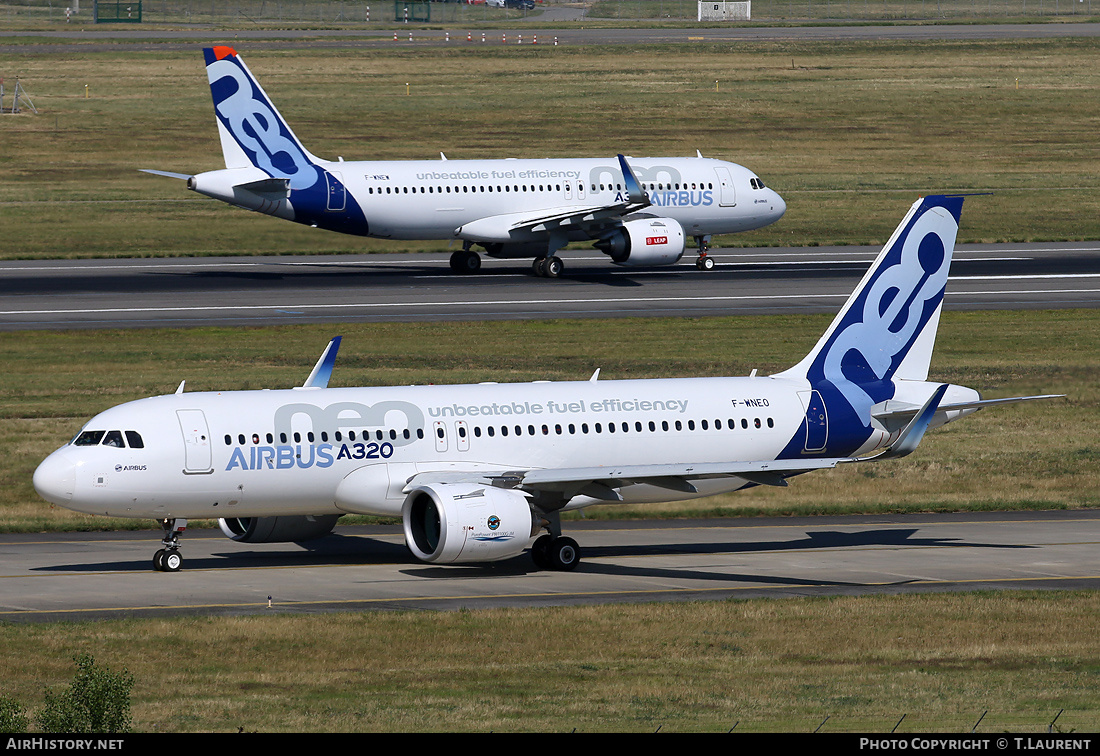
357, 13
244, 13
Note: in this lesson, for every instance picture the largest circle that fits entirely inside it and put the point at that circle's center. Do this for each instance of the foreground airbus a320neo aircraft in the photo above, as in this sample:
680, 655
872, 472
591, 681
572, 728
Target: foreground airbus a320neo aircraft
476, 472
639, 211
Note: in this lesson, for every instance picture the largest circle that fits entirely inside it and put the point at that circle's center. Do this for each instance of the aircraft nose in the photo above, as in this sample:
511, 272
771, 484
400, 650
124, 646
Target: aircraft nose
779, 206
55, 479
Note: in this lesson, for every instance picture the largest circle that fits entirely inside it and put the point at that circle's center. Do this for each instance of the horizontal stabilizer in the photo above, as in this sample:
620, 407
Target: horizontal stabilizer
169, 174
910, 410
280, 186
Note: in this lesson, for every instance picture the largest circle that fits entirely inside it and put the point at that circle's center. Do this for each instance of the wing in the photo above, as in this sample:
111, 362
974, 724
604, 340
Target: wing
601, 482
591, 219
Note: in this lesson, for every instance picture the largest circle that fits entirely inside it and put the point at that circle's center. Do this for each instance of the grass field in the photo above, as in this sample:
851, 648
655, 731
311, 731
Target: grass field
847, 133
866, 664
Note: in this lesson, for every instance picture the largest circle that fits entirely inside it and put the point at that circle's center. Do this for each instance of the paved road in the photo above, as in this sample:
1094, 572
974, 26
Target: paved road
53, 42
86, 575
360, 288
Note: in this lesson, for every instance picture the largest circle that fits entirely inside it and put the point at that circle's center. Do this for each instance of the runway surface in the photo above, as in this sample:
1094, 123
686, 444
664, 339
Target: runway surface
51, 42
361, 288
93, 575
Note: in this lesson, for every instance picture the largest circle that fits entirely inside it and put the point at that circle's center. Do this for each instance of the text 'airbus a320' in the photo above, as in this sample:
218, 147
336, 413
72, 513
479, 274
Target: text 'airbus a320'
638, 211
476, 472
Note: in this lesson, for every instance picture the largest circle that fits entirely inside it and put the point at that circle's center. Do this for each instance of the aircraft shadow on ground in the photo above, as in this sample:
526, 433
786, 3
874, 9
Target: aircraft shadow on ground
885, 538
337, 550
334, 550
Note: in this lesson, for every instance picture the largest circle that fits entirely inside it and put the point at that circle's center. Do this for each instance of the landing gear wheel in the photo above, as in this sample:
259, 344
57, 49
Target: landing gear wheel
540, 551
158, 560
172, 561
705, 262
548, 267
565, 554
465, 261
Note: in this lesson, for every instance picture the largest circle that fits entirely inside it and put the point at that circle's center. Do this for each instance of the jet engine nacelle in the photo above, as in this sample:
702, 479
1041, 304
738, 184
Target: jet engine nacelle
645, 241
277, 529
447, 523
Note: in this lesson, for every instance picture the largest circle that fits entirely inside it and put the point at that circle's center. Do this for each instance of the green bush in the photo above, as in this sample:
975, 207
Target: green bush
13, 717
97, 700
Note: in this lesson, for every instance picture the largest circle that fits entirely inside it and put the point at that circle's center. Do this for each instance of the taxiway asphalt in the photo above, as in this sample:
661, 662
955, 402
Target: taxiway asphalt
70, 576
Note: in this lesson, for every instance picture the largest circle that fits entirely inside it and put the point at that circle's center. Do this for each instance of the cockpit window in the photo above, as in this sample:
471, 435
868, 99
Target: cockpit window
89, 438
110, 438
756, 183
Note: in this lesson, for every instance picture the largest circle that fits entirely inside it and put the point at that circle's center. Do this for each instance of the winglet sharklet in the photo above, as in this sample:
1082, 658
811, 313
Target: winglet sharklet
913, 432
322, 371
635, 195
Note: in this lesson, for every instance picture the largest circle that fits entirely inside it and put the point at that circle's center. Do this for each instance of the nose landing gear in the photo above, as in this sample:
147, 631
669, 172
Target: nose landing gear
169, 558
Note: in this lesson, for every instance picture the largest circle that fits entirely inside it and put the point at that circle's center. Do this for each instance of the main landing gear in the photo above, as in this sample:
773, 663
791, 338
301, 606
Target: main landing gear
704, 261
465, 260
548, 267
169, 558
553, 551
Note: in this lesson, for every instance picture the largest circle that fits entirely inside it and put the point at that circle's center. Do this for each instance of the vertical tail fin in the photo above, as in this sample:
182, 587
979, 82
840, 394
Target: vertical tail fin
887, 328
252, 131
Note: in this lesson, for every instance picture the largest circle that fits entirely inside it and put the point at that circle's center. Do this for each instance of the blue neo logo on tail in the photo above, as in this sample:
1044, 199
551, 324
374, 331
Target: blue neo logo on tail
244, 110
884, 333
898, 301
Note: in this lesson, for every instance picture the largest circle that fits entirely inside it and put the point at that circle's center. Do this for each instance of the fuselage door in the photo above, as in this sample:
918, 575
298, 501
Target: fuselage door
196, 442
337, 194
727, 196
462, 435
817, 420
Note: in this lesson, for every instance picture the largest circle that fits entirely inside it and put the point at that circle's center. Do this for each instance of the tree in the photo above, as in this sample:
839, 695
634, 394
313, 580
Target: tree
97, 700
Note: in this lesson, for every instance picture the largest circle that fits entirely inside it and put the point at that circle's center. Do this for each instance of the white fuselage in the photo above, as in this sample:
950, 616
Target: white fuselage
483, 201
333, 451
432, 199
